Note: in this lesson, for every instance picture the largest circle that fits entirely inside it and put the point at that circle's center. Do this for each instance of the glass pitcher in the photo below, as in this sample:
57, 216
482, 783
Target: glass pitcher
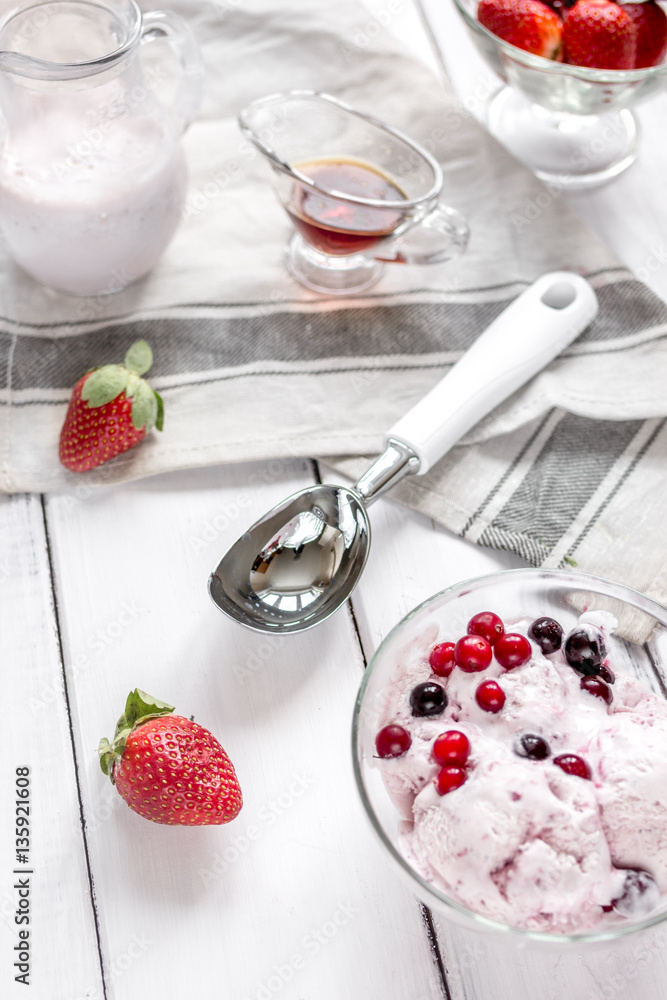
92, 173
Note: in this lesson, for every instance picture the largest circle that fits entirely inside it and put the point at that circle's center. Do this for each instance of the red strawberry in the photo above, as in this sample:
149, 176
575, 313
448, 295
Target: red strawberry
599, 34
528, 24
651, 24
110, 410
169, 769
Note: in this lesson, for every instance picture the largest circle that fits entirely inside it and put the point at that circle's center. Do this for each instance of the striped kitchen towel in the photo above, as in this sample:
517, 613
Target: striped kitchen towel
572, 469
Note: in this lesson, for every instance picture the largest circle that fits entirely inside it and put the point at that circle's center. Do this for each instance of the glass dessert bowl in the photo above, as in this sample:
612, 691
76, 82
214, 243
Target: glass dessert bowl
531, 809
572, 125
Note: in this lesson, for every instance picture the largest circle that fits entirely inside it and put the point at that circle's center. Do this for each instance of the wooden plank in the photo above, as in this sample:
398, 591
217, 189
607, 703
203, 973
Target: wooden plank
478, 965
53, 880
292, 899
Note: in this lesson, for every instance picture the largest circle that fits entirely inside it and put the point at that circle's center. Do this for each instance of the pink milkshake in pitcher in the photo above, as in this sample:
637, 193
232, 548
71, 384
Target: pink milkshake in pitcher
92, 173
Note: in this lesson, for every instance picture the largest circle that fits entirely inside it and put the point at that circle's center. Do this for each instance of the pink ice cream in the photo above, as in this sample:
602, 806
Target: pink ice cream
521, 840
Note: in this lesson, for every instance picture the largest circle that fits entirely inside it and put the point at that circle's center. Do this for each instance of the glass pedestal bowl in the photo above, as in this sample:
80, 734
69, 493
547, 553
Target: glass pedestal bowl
573, 126
639, 644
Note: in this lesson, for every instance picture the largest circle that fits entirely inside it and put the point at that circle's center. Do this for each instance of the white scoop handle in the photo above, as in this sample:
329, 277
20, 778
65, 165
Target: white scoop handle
526, 336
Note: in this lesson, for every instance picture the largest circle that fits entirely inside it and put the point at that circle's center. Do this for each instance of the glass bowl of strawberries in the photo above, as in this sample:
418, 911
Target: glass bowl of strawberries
572, 70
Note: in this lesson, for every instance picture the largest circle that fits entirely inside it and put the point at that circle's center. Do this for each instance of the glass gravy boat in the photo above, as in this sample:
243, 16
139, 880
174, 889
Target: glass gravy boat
358, 192
92, 174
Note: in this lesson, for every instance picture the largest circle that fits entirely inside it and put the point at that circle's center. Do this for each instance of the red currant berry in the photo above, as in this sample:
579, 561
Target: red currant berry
451, 748
598, 687
607, 674
490, 696
512, 650
488, 625
441, 659
571, 764
472, 653
392, 741
450, 778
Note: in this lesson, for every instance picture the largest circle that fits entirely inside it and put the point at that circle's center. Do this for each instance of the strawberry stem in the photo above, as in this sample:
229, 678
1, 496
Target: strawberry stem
139, 708
106, 383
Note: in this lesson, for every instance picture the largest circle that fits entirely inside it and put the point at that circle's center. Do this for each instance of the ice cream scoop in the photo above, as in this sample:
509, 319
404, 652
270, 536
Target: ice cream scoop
296, 565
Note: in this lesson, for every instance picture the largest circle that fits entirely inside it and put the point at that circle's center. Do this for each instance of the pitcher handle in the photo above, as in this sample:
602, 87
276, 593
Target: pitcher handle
163, 24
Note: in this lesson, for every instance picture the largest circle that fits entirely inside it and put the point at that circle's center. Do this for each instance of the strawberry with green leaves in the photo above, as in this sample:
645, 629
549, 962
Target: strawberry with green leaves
169, 769
110, 411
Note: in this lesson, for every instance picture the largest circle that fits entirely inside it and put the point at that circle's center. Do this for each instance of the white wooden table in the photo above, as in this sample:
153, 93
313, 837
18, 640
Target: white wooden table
104, 590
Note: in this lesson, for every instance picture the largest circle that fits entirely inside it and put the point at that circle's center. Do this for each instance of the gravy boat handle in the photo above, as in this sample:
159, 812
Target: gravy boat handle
440, 236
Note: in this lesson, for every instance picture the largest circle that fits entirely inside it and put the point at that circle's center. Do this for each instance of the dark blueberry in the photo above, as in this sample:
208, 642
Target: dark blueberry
547, 633
428, 699
532, 746
585, 649
607, 674
640, 894
598, 687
